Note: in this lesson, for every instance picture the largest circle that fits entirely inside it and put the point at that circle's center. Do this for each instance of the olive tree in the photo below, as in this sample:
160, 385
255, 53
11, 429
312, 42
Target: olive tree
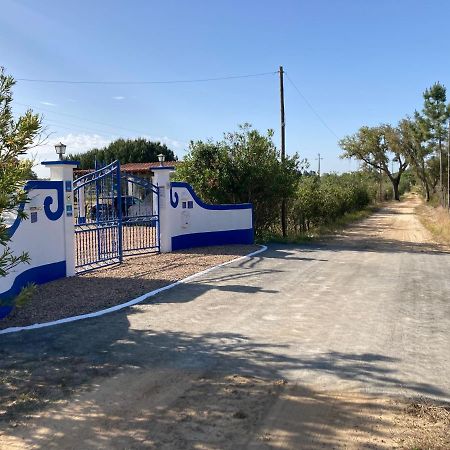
376, 147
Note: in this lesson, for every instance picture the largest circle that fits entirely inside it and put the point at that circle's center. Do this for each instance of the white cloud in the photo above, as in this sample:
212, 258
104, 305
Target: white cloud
173, 144
76, 143
119, 97
48, 103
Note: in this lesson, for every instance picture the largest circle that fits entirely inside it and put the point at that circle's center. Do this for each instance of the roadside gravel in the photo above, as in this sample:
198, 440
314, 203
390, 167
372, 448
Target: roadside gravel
113, 285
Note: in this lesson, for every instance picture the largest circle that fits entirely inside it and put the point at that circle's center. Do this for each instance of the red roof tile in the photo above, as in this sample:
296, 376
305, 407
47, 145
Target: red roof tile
133, 167
144, 167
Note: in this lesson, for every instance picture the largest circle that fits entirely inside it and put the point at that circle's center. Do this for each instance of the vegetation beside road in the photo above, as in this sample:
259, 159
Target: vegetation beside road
416, 143
319, 231
246, 167
437, 221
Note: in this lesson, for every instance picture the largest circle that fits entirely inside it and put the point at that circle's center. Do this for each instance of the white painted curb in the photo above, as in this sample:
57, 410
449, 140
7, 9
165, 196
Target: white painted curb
131, 302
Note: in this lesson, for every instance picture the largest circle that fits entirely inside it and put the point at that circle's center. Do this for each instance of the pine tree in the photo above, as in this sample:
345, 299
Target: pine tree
433, 120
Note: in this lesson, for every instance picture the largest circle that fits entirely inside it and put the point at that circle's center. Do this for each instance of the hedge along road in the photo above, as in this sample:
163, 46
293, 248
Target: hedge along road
204, 365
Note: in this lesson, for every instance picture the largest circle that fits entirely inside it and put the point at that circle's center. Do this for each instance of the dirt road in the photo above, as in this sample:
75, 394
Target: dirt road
318, 346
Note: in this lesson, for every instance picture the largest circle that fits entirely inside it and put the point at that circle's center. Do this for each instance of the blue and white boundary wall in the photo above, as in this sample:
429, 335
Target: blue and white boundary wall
47, 235
188, 222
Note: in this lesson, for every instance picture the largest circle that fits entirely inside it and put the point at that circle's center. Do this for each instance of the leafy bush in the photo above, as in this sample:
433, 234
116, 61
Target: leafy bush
244, 167
320, 201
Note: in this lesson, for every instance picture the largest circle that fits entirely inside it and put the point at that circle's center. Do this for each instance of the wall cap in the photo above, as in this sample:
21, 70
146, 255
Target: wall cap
201, 203
58, 163
163, 168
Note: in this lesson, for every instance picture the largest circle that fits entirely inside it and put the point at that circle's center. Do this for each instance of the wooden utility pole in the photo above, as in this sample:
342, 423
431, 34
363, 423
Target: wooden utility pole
283, 148
448, 166
441, 186
318, 159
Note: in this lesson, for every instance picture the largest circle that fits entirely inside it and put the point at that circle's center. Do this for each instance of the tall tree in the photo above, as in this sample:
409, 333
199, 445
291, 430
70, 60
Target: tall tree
126, 151
377, 147
16, 137
416, 152
432, 122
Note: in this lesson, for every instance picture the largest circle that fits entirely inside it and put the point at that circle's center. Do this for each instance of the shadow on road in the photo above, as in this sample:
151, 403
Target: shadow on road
170, 389
233, 382
94, 294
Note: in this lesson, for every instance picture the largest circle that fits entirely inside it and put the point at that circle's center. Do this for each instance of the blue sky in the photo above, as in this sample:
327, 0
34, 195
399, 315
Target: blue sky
357, 62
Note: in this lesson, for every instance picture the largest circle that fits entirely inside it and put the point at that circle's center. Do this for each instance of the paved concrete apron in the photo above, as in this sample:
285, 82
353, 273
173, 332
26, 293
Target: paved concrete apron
368, 311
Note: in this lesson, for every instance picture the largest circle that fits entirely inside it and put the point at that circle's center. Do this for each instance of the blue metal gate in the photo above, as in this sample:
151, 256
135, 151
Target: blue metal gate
140, 215
116, 215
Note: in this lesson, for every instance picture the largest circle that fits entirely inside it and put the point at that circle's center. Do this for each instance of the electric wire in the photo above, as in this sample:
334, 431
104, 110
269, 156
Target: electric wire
104, 124
109, 82
197, 80
311, 107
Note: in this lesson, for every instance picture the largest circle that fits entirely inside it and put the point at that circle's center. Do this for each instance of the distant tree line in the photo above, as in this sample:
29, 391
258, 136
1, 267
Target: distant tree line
126, 151
417, 142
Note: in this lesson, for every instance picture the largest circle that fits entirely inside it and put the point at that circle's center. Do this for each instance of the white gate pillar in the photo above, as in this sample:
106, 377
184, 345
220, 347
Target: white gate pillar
63, 171
161, 178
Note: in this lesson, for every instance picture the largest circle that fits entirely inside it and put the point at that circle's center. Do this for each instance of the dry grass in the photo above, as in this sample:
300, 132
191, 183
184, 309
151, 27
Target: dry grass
437, 221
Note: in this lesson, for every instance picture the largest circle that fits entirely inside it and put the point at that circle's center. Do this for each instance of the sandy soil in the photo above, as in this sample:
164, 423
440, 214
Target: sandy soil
110, 286
187, 409
169, 409
394, 225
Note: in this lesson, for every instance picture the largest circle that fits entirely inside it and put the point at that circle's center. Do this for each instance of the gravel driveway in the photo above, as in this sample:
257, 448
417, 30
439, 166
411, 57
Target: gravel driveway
318, 346
110, 286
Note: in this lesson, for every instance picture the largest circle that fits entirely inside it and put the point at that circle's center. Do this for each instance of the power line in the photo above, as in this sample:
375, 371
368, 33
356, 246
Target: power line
97, 82
311, 107
47, 110
70, 126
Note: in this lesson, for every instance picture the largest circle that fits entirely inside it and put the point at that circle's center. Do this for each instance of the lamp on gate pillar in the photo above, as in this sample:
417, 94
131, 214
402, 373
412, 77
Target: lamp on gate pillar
161, 159
60, 150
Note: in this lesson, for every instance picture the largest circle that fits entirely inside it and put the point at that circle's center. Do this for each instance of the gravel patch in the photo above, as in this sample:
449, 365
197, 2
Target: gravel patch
110, 286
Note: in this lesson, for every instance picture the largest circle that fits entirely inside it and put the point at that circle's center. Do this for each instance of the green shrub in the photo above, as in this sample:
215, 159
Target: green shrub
244, 167
322, 201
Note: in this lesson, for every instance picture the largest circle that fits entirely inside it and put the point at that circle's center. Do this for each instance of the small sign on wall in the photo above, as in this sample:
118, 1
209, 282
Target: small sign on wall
68, 186
69, 211
185, 219
33, 217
